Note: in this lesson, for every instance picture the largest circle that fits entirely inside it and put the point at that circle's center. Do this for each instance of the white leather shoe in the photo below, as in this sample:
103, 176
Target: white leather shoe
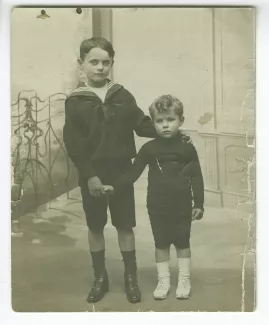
162, 289
183, 288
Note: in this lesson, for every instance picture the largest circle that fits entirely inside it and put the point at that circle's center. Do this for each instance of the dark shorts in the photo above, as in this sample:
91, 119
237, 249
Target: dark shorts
169, 230
121, 204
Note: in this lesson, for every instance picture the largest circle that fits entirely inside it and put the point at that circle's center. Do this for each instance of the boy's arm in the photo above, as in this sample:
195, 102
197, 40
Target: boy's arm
197, 181
142, 124
75, 142
132, 175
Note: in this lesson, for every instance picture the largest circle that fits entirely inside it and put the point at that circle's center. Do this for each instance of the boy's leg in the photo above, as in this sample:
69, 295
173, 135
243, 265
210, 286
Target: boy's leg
162, 239
96, 217
183, 253
122, 208
96, 240
184, 261
97, 249
162, 257
126, 239
127, 247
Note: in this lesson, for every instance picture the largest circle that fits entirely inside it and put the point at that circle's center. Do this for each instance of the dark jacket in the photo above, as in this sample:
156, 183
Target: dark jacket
96, 131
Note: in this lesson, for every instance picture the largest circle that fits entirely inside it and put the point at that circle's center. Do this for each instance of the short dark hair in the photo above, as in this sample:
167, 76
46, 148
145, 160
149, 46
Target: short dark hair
165, 104
91, 43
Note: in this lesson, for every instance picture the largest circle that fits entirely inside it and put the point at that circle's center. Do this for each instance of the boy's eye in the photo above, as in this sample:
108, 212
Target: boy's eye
158, 121
170, 119
94, 62
106, 63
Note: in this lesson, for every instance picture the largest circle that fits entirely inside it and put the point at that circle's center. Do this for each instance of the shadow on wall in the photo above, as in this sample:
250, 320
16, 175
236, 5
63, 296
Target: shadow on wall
41, 169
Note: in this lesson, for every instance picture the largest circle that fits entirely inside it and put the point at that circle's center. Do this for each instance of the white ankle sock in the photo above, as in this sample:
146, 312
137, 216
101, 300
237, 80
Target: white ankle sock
184, 266
163, 270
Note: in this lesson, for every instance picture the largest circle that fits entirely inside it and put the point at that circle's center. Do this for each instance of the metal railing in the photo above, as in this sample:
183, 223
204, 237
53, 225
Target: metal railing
41, 169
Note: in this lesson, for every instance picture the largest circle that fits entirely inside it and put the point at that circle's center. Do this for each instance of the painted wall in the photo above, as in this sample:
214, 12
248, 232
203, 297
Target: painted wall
206, 58
44, 56
161, 51
44, 52
235, 37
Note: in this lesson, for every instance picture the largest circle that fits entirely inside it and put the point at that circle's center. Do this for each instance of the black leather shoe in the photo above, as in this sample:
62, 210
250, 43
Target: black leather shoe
131, 287
100, 287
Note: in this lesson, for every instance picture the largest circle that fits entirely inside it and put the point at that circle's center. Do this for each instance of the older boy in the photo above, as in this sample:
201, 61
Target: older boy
98, 133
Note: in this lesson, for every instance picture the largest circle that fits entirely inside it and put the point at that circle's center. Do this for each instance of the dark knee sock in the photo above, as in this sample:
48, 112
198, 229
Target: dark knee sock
98, 262
129, 259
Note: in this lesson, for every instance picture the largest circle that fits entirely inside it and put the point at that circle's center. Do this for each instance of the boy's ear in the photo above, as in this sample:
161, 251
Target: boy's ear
112, 63
182, 120
80, 61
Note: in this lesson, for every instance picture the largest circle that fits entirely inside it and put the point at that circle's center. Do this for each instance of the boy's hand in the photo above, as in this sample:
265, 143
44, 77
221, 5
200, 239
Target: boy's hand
197, 214
108, 189
185, 137
95, 186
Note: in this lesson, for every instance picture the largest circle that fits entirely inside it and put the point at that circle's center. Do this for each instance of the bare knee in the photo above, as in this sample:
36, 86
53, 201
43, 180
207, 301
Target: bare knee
125, 231
183, 252
95, 232
96, 239
126, 239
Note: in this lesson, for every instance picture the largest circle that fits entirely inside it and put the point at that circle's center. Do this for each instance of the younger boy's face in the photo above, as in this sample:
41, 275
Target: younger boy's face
167, 124
97, 65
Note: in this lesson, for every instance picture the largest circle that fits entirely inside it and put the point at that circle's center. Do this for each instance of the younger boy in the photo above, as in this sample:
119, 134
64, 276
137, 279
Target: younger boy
174, 181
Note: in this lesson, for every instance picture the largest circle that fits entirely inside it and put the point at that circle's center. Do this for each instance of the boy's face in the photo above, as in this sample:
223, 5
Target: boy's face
167, 123
96, 65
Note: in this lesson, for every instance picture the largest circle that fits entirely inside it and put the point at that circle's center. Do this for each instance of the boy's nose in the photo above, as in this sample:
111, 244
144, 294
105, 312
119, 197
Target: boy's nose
100, 66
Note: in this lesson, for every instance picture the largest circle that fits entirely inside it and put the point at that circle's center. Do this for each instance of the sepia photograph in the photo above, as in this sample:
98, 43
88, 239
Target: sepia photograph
151, 104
